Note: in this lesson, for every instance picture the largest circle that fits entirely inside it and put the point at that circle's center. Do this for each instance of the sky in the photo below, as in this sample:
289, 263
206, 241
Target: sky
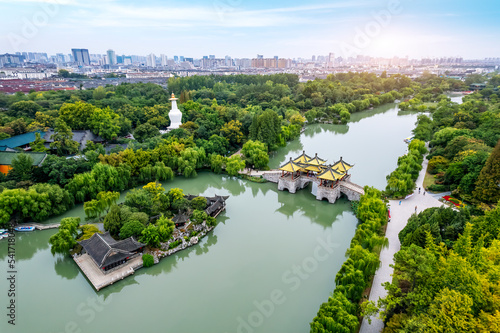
245, 28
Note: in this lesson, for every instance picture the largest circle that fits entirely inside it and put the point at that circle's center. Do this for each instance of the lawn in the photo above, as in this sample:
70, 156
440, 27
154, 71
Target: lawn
428, 179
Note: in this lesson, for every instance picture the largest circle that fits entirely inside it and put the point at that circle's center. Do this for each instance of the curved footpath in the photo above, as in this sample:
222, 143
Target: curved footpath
399, 217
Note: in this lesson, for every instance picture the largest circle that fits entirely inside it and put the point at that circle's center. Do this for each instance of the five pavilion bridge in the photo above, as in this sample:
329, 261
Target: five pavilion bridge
332, 180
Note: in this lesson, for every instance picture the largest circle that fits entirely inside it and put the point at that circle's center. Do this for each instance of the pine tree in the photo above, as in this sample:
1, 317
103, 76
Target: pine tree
488, 183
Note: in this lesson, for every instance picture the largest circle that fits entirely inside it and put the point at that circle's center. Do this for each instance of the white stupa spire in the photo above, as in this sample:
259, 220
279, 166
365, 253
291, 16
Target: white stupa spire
175, 114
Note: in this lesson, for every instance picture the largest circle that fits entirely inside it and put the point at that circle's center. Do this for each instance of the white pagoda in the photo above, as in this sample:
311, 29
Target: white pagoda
175, 115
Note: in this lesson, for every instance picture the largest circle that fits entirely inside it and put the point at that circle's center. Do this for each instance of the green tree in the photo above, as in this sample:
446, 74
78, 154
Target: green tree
234, 164
22, 167
87, 231
199, 203
165, 228
217, 163
38, 144
232, 131
63, 139
114, 220
24, 109
145, 131
131, 228
141, 200
488, 183
255, 153
64, 240
198, 216
151, 236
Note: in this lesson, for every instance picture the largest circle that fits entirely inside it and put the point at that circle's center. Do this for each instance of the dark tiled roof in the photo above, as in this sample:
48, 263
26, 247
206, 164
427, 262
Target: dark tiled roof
190, 197
104, 250
79, 136
180, 218
214, 207
217, 198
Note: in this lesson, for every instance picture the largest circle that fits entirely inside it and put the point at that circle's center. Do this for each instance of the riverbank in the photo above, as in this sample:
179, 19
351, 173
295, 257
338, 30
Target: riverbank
400, 213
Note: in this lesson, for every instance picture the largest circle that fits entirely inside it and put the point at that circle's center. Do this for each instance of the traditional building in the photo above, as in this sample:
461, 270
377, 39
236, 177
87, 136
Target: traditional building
342, 166
216, 204
19, 141
79, 136
109, 254
180, 220
6, 158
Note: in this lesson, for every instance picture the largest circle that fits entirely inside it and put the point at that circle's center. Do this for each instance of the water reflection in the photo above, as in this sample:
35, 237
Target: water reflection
117, 287
27, 244
358, 116
304, 203
315, 129
65, 267
167, 265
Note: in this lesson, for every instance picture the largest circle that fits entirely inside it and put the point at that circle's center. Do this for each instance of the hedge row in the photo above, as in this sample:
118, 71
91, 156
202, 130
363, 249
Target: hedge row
341, 312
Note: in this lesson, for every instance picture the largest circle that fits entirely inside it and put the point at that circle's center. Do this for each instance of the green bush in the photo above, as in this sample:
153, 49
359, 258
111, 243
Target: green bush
174, 244
147, 260
438, 188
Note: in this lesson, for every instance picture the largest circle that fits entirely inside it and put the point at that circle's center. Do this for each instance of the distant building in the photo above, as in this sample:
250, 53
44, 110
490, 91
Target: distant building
81, 56
10, 59
163, 60
111, 57
271, 63
151, 60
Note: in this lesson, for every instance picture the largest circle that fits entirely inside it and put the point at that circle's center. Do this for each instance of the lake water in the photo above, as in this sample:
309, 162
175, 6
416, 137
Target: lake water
267, 266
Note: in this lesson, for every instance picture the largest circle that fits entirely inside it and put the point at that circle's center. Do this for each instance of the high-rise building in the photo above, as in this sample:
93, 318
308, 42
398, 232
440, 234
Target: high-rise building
151, 60
111, 57
181, 58
163, 60
176, 59
331, 59
81, 56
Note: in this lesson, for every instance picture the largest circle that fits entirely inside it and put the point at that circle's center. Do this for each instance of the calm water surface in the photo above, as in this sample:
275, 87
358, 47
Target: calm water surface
267, 266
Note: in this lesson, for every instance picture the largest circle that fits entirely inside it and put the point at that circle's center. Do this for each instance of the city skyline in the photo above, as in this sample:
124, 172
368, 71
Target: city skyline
242, 29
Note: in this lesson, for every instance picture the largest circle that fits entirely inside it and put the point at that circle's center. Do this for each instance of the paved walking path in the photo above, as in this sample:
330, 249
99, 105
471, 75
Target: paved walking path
400, 215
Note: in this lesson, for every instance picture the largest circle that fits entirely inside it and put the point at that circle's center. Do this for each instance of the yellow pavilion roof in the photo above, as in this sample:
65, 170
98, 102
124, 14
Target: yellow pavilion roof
342, 166
330, 174
291, 166
316, 160
302, 158
313, 168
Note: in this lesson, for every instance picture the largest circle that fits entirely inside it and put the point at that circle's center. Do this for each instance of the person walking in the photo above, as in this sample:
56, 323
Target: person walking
400, 202
419, 190
424, 192
415, 209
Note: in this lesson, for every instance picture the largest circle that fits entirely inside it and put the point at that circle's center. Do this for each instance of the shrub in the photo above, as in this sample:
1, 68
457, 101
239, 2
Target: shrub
147, 260
174, 244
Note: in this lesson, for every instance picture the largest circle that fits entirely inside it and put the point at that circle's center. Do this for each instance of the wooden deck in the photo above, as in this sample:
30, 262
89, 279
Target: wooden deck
100, 280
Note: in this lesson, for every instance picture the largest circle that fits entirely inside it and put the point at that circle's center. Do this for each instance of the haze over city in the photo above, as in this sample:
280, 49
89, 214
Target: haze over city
244, 28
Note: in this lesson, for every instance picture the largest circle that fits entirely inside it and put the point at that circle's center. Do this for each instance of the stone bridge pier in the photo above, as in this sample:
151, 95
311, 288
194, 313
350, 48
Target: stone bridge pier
286, 183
